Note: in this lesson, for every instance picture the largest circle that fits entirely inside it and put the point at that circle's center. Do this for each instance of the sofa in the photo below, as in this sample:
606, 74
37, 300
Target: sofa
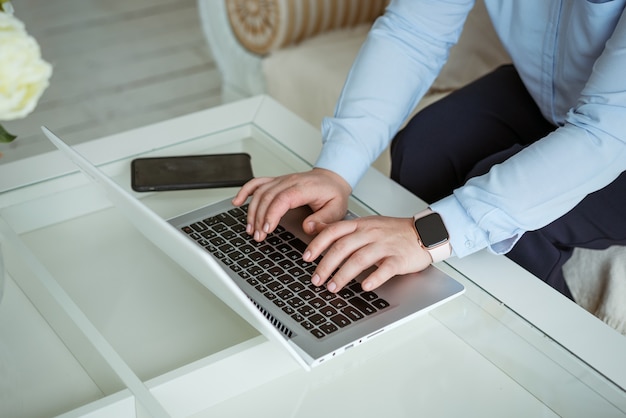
299, 52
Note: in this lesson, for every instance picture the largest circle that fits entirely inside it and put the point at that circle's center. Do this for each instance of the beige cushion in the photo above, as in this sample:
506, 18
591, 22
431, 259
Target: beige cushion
308, 78
597, 280
267, 25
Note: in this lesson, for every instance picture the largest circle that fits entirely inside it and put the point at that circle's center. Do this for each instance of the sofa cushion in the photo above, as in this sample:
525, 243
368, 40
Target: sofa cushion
308, 77
267, 25
597, 280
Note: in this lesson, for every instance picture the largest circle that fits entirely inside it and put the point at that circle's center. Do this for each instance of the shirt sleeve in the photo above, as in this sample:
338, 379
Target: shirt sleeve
550, 177
399, 60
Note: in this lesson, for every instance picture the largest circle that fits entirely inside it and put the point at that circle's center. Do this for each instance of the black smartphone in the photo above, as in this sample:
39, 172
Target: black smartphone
190, 172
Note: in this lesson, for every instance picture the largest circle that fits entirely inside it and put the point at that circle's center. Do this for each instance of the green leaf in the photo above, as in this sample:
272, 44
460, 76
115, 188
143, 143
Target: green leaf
5, 136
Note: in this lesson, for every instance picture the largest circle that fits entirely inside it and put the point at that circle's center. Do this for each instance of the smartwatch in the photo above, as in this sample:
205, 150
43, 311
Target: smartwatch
432, 234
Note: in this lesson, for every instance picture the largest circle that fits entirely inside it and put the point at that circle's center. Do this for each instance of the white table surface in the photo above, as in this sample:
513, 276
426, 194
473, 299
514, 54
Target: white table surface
102, 324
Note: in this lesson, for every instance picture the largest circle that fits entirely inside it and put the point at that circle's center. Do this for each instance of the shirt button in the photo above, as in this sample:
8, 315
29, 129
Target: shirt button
469, 244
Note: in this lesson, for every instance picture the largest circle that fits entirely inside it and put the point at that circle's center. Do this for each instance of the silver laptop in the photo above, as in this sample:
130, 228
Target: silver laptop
268, 283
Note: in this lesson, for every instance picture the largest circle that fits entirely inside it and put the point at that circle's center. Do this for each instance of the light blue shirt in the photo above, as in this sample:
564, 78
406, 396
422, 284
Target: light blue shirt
570, 54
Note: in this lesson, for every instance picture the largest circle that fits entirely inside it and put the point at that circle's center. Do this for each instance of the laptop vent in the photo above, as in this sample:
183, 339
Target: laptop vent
275, 322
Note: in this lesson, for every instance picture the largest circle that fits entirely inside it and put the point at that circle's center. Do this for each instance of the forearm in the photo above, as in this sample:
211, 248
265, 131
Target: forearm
398, 62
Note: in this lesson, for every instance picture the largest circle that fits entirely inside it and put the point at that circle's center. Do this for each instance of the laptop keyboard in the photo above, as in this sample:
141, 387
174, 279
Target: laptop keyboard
276, 269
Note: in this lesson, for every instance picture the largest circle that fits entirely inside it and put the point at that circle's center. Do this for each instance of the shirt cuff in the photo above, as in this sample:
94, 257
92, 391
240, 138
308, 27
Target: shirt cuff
466, 236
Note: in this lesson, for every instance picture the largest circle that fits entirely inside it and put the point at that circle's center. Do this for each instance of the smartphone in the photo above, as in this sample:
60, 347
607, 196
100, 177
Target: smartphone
190, 172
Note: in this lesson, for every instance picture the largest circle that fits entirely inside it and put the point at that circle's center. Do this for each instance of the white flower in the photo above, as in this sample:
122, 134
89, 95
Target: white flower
23, 74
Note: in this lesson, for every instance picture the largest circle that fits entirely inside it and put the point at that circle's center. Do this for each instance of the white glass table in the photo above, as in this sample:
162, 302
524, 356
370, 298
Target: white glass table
96, 321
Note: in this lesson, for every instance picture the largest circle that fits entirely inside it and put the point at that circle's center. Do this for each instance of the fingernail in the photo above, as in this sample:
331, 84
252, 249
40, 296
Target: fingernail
249, 229
332, 287
257, 236
266, 228
316, 280
307, 255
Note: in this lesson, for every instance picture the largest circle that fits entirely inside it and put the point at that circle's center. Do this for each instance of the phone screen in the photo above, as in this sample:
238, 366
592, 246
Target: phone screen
190, 172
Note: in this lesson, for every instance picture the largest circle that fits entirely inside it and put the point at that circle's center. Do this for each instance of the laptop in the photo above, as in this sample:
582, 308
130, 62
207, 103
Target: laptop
268, 284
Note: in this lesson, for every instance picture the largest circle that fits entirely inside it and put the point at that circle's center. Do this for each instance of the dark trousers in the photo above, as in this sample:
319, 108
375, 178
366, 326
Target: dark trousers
482, 124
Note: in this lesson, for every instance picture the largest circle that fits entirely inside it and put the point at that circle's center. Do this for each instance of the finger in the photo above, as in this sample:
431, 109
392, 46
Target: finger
359, 261
385, 271
248, 190
262, 198
329, 234
275, 203
340, 247
318, 221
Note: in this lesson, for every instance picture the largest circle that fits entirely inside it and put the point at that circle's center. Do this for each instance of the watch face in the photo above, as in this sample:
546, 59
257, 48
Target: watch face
431, 230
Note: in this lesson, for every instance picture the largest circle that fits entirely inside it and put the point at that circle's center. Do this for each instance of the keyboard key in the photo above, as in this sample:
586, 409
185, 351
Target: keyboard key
328, 311
296, 272
328, 327
340, 320
257, 256
255, 271
229, 235
317, 303
274, 286
264, 278
227, 219
328, 296
295, 302
318, 333
306, 295
355, 287
246, 249
285, 279
297, 317
199, 226
286, 236
219, 227
273, 240
285, 294
362, 305
211, 221
266, 264
339, 303
298, 244
235, 255
296, 287
306, 310
317, 319
284, 248
352, 313
237, 242
237, 212
380, 304
275, 271
226, 248
245, 263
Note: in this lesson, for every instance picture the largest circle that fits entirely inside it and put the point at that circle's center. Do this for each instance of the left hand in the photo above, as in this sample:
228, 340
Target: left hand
353, 246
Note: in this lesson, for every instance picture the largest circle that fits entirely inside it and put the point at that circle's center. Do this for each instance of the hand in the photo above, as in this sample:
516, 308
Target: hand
324, 191
355, 245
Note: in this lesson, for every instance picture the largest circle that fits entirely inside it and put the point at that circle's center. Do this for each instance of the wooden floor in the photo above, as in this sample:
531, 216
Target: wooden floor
118, 64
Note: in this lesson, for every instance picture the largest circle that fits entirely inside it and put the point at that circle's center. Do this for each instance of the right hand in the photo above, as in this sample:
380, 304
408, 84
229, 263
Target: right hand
324, 191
